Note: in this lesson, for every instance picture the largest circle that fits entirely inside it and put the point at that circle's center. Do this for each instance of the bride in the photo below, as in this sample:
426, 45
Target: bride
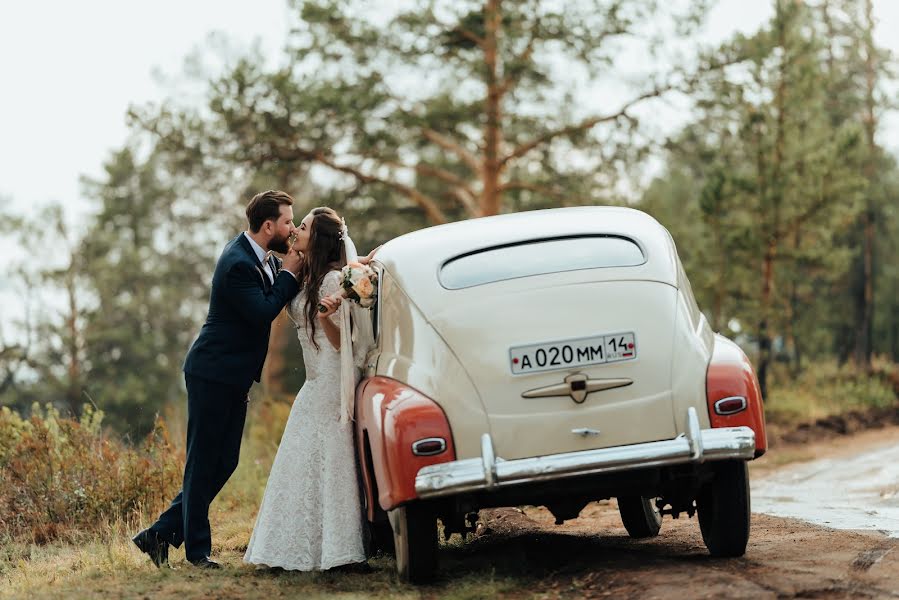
311, 515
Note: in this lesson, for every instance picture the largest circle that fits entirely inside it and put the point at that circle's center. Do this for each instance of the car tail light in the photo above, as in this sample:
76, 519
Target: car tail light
731, 405
429, 446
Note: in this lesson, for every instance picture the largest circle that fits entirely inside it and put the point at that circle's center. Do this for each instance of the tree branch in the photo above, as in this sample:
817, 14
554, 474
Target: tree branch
470, 36
510, 80
447, 144
584, 125
461, 190
425, 202
467, 200
438, 172
531, 187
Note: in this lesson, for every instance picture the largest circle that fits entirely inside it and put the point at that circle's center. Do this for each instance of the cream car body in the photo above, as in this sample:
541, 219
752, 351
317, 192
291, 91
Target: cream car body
460, 327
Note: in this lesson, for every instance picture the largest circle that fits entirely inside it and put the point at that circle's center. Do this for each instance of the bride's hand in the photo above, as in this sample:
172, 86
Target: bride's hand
331, 303
367, 259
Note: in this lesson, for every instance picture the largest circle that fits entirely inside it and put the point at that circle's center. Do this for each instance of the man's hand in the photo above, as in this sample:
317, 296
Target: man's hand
292, 262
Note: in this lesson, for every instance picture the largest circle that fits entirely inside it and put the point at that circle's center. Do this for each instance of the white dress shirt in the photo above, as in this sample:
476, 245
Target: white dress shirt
260, 254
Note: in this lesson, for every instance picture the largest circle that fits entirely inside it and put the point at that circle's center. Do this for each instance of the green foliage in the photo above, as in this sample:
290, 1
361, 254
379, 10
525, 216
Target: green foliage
60, 476
763, 191
825, 389
147, 266
433, 111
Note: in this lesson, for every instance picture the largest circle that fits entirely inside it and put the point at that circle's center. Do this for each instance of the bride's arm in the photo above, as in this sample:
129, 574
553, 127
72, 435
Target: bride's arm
332, 331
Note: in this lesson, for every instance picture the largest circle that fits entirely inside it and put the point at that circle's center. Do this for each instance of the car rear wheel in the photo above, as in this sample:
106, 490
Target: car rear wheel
640, 516
415, 541
723, 507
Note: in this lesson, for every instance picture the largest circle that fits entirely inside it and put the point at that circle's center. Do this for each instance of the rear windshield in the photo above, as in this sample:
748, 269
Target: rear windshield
539, 257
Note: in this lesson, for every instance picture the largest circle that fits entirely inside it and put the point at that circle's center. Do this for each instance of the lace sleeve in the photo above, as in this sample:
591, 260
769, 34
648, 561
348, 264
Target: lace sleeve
331, 286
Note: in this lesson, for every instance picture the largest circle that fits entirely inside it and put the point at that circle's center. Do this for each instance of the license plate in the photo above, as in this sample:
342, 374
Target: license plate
595, 350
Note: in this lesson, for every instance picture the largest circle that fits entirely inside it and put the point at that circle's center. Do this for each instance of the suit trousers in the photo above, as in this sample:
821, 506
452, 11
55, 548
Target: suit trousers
216, 413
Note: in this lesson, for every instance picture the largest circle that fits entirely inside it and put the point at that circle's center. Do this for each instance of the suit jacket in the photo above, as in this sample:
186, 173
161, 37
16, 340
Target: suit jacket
233, 342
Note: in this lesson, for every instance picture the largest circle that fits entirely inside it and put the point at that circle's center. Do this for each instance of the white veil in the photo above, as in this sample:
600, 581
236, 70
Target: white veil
356, 338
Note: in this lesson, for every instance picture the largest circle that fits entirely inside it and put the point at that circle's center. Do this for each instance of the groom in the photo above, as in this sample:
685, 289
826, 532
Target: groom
249, 289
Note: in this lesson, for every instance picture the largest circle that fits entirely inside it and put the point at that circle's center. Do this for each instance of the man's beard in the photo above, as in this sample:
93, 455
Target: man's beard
279, 245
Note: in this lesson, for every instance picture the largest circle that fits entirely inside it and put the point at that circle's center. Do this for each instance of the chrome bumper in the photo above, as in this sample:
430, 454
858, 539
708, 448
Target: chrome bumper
489, 472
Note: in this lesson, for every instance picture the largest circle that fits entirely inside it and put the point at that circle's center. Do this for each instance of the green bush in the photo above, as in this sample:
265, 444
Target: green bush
59, 476
825, 389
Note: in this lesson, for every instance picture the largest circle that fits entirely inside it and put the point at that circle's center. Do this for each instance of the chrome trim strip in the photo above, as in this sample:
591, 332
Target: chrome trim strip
567, 387
730, 412
473, 474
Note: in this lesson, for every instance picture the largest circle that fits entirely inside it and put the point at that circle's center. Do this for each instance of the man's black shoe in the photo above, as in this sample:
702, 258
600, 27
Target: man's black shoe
154, 546
205, 563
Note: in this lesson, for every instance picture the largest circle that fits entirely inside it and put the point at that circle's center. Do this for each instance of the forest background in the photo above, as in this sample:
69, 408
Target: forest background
778, 191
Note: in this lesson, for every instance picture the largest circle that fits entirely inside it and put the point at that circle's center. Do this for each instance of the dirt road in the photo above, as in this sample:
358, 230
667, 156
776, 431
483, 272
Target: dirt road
593, 557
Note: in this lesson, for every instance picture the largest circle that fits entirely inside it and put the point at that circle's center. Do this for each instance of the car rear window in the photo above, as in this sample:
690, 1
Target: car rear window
538, 257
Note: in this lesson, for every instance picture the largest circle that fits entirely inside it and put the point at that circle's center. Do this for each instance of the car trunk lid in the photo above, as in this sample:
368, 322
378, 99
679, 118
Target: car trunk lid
568, 368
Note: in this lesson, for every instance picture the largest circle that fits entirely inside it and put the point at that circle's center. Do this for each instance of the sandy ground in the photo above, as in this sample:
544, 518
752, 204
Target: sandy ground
593, 557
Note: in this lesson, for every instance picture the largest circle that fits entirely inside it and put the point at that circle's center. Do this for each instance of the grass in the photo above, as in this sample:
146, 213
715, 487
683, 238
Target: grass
98, 560
101, 561
826, 389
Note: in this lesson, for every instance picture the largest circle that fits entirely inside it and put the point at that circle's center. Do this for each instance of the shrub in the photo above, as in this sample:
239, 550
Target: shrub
825, 389
62, 476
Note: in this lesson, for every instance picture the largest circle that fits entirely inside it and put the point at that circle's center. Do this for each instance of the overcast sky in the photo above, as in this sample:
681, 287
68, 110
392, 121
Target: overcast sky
70, 69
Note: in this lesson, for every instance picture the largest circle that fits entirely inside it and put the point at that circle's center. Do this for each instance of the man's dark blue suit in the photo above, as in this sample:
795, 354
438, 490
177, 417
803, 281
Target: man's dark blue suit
219, 369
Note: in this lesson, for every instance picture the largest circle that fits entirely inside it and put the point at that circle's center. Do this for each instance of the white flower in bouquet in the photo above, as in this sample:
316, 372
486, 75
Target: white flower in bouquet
359, 283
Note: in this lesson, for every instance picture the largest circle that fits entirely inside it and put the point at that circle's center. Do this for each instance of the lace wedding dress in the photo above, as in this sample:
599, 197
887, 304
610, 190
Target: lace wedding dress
311, 516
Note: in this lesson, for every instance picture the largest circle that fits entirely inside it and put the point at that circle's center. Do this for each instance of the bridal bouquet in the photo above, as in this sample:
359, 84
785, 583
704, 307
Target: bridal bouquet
359, 283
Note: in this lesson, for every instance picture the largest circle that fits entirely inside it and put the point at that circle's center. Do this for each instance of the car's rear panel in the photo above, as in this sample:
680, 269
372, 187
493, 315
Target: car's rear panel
626, 413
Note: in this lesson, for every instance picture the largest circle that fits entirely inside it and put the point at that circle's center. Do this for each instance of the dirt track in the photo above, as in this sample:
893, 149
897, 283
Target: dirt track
593, 557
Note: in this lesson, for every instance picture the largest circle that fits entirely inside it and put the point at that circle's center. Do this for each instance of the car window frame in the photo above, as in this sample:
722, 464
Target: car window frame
635, 241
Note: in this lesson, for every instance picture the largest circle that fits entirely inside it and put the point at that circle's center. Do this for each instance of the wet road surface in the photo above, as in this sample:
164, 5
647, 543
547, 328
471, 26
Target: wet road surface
854, 492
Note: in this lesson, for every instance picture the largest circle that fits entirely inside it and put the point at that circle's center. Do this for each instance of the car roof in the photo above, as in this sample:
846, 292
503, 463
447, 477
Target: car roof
414, 259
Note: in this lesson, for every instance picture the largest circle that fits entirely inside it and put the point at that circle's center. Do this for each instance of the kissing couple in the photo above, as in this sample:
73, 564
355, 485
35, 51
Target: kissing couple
310, 517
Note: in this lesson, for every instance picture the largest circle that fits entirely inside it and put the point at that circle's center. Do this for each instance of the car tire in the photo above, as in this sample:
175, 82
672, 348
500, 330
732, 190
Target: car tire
723, 507
640, 516
415, 541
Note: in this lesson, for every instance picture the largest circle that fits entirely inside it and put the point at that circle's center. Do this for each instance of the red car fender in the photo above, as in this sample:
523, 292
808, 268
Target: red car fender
730, 375
390, 417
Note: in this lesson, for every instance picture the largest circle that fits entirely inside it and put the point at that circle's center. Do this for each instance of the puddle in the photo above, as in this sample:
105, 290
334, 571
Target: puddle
859, 492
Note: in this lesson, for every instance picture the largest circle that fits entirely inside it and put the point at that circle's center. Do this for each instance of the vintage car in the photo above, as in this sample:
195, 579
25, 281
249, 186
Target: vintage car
553, 358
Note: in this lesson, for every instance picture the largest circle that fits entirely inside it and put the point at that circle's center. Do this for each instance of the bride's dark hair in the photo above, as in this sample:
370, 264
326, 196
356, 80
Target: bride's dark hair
324, 253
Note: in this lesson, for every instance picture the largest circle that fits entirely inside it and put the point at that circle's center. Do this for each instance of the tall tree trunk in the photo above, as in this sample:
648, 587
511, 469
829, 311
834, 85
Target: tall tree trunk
865, 325
773, 207
491, 193
720, 283
793, 315
73, 389
764, 333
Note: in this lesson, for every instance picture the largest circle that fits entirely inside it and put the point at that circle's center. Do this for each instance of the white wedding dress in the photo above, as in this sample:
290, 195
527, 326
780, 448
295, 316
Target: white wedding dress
311, 516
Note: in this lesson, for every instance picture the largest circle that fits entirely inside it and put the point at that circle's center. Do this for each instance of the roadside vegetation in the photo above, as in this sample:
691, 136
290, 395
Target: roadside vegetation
775, 187
825, 390
72, 493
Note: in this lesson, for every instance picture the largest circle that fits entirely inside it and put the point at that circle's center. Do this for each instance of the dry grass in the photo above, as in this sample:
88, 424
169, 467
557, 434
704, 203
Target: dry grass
96, 559
826, 389
99, 560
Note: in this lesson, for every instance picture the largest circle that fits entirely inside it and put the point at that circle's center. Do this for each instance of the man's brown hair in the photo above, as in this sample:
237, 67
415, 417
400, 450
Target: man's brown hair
266, 206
